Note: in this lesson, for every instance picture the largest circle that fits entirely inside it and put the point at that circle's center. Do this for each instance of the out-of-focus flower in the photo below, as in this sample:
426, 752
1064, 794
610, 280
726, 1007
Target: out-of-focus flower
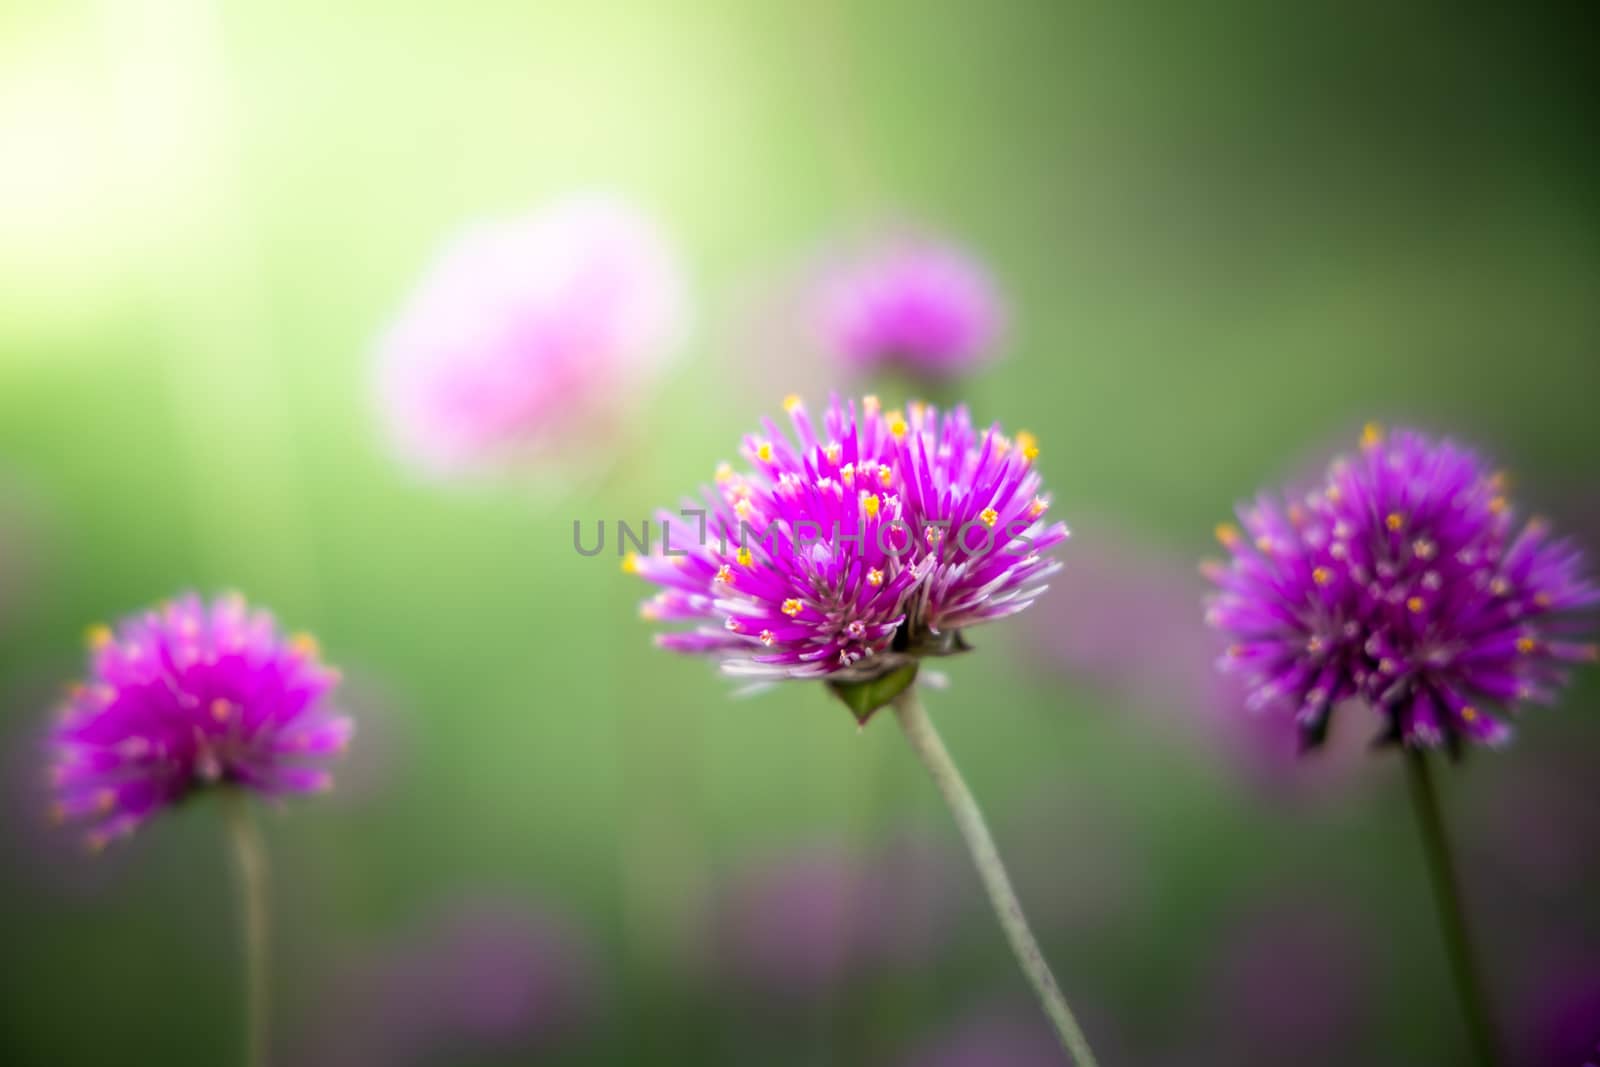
1123, 620
873, 539
484, 977
910, 304
189, 696
1291, 982
1405, 582
1558, 1023
807, 922
533, 340
989, 1039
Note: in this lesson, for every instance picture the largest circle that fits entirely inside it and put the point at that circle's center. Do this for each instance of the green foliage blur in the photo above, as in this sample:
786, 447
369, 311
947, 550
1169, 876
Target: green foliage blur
1229, 235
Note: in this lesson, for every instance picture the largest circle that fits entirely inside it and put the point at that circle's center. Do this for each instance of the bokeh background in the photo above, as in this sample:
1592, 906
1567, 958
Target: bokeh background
1228, 234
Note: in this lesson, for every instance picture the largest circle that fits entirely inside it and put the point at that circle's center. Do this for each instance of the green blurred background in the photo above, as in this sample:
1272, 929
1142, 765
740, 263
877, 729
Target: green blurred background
1229, 234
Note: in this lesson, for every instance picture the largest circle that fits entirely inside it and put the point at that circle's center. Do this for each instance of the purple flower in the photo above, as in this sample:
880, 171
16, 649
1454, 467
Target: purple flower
485, 976
188, 696
1404, 582
807, 922
867, 541
531, 338
914, 305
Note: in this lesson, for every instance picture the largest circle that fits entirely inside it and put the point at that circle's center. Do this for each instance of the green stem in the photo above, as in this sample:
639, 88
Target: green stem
250, 868
1447, 900
925, 741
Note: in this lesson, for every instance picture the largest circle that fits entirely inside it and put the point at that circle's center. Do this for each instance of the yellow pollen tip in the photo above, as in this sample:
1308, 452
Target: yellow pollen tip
105, 800
1228, 534
1002, 444
874, 577
725, 574
1333, 493
791, 607
1264, 543
885, 476
869, 504
792, 403
1497, 505
847, 474
743, 509
724, 473
1469, 714
630, 563
1037, 507
897, 424
1526, 645
1235, 651
870, 405
745, 557
764, 451
1371, 435
1415, 604
1542, 599
306, 645
989, 516
1028, 445
767, 638
1322, 576
1394, 520
1499, 480
98, 636
220, 709
649, 612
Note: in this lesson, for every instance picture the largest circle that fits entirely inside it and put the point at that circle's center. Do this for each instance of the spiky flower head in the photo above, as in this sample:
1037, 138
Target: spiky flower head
858, 545
1407, 582
532, 337
188, 696
913, 304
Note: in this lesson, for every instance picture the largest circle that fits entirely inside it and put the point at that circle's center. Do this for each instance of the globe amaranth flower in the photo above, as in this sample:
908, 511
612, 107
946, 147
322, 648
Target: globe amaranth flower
1406, 582
187, 696
531, 337
868, 540
911, 304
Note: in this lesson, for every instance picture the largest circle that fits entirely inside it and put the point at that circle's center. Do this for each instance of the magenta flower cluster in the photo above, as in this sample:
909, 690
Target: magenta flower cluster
923, 307
1406, 582
867, 540
188, 696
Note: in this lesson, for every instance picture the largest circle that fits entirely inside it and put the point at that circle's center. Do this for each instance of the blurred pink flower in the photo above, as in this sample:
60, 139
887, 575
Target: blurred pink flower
483, 976
910, 303
531, 340
805, 923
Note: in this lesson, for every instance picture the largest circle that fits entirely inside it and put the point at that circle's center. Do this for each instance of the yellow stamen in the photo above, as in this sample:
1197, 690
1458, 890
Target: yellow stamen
1228, 534
98, 636
1469, 713
989, 516
1394, 520
897, 424
649, 611
1333, 493
869, 504
1028, 444
1526, 645
1499, 587
1497, 505
870, 405
630, 563
1424, 548
1371, 435
874, 577
791, 607
1037, 507
1264, 543
764, 451
221, 709
105, 800
791, 403
724, 474
885, 475
1542, 599
725, 574
305, 645
833, 451
745, 556
1002, 444
767, 638
847, 474
1415, 604
1322, 576
743, 509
